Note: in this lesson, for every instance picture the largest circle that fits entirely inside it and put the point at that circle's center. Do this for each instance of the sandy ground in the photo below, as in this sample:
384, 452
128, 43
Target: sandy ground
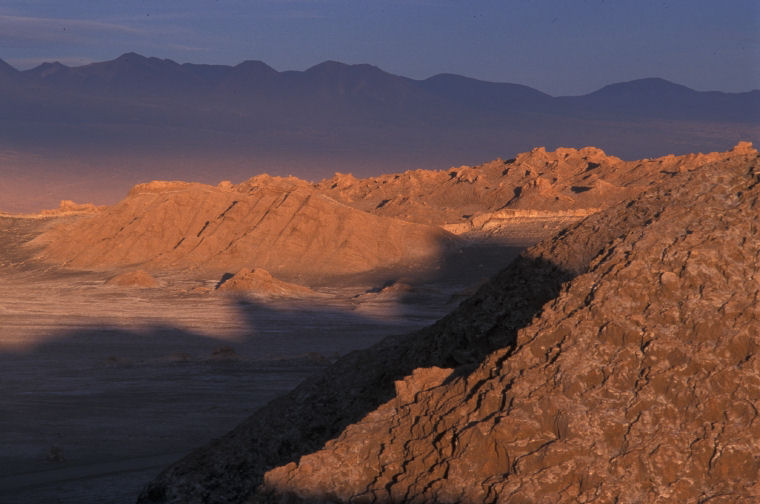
102, 386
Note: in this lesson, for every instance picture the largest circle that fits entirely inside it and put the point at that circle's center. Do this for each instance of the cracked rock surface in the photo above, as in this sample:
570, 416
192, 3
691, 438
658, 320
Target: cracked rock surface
640, 382
616, 362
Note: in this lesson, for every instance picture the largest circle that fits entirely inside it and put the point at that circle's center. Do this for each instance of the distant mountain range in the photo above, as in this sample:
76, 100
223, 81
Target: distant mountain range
136, 118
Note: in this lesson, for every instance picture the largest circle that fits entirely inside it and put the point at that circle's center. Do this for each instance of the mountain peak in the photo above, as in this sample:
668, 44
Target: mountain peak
131, 57
50, 65
336, 66
645, 85
134, 59
254, 66
327, 65
47, 69
131, 54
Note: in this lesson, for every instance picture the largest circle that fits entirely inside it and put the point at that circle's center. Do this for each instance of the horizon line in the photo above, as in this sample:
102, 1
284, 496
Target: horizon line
87, 62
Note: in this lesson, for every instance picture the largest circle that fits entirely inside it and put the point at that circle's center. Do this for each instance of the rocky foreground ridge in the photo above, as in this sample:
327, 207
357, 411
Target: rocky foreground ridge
615, 362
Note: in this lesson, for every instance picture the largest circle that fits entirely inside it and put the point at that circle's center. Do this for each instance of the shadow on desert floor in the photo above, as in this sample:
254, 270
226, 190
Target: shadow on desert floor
320, 408
84, 405
94, 405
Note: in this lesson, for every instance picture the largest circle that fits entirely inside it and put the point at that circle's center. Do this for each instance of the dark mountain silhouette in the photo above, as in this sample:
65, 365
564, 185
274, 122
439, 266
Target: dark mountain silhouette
486, 95
135, 118
6, 69
360, 88
7, 74
252, 95
658, 98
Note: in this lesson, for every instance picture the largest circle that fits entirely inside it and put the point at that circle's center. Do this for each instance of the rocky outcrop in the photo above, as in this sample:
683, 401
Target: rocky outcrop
138, 278
68, 207
636, 382
232, 467
389, 292
346, 226
65, 208
280, 224
539, 180
259, 282
520, 224
640, 382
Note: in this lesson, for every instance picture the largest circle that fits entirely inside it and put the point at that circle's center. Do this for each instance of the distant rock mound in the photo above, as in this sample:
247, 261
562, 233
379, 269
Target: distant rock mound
281, 224
520, 225
65, 208
137, 278
70, 207
392, 291
259, 282
616, 362
161, 186
563, 180
345, 225
395, 289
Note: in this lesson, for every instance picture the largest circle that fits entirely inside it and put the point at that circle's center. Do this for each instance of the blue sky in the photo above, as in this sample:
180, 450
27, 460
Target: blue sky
557, 46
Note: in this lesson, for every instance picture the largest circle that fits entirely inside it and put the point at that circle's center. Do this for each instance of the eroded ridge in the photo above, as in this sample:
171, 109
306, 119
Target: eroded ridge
279, 224
623, 368
565, 182
640, 382
347, 226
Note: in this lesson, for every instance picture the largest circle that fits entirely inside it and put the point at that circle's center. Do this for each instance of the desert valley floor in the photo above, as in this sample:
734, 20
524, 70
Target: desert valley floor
103, 385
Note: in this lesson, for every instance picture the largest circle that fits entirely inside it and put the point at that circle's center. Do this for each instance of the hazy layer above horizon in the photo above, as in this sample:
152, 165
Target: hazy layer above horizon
90, 132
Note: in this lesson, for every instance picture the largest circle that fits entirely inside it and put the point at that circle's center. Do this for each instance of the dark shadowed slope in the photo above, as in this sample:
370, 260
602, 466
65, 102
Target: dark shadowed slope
639, 379
7, 73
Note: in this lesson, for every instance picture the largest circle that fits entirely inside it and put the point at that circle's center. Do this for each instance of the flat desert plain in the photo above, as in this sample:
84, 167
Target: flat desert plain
103, 385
